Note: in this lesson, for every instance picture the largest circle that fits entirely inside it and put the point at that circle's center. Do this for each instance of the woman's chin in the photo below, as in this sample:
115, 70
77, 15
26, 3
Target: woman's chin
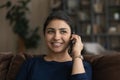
57, 51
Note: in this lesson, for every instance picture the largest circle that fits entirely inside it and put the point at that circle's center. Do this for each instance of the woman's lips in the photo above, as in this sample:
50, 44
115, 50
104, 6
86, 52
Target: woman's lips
56, 44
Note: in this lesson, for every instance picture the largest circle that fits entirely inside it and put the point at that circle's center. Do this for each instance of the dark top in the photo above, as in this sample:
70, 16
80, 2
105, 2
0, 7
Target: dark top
39, 69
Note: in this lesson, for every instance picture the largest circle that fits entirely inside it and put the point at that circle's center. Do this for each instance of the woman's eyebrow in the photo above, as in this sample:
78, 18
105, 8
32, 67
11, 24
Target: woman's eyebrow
63, 29
58, 29
50, 29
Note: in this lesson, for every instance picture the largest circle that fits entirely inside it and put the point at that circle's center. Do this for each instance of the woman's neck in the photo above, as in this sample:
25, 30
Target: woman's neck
59, 57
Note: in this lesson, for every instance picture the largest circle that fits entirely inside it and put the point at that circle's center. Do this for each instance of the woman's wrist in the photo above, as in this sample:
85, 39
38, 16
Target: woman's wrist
80, 57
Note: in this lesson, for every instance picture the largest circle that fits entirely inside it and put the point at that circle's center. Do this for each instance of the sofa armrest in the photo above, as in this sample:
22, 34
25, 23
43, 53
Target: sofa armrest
105, 67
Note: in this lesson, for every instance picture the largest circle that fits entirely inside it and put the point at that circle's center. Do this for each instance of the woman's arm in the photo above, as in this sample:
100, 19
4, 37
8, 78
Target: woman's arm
83, 76
78, 66
76, 55
24, 71
78, 70
22, 74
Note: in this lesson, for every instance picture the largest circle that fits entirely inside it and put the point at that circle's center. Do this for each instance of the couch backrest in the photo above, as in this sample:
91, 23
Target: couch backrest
15, 65
105, 67
5, 59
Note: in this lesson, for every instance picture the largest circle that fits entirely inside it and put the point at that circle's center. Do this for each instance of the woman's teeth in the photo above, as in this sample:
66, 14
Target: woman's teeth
57, 44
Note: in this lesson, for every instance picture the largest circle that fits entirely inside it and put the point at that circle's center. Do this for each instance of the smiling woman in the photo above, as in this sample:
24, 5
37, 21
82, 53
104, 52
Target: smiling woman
58, 64
57, 38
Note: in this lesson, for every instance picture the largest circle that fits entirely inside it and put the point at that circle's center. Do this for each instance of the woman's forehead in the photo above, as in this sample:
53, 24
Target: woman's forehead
58, 24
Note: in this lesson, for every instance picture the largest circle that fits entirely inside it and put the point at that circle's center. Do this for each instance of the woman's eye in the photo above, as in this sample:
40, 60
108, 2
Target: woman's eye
63, 32
50, 31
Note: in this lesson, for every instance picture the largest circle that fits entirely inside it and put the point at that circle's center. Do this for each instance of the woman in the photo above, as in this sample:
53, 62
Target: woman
58, 64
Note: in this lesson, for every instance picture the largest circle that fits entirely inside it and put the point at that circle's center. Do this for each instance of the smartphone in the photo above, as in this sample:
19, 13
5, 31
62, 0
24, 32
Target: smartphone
72, 42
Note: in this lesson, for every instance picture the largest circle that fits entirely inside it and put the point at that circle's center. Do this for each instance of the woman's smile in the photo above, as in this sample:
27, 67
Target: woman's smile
56, 44
57, 36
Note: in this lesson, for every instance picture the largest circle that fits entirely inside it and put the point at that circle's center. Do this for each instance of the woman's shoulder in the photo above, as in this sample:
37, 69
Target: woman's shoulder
88, 68
86, 63
34, 59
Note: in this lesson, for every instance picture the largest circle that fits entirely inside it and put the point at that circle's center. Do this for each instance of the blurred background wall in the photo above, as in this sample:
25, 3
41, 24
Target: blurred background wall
39, 9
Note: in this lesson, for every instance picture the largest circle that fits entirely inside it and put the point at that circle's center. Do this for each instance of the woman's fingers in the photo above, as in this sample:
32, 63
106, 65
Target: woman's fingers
78, 46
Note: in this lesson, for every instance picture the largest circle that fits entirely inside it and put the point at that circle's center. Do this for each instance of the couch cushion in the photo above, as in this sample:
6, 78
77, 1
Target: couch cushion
5, 58
105, 67
15, 65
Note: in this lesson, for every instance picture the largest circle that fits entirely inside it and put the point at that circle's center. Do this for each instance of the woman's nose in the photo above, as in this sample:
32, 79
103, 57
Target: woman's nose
57, 36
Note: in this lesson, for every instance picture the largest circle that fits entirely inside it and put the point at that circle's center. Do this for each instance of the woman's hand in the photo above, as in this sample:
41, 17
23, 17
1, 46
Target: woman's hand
78, 66
78, 45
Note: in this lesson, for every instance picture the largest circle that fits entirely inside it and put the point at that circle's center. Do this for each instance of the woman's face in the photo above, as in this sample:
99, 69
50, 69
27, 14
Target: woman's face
57, 36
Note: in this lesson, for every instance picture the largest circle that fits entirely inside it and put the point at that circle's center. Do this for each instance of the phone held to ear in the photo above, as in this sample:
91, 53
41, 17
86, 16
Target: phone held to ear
72, 42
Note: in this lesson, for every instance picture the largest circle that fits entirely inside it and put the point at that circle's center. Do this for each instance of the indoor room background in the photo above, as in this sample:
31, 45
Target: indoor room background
97, 21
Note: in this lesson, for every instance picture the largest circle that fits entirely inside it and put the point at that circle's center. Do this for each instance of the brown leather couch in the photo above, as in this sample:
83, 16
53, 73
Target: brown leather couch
105, 67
